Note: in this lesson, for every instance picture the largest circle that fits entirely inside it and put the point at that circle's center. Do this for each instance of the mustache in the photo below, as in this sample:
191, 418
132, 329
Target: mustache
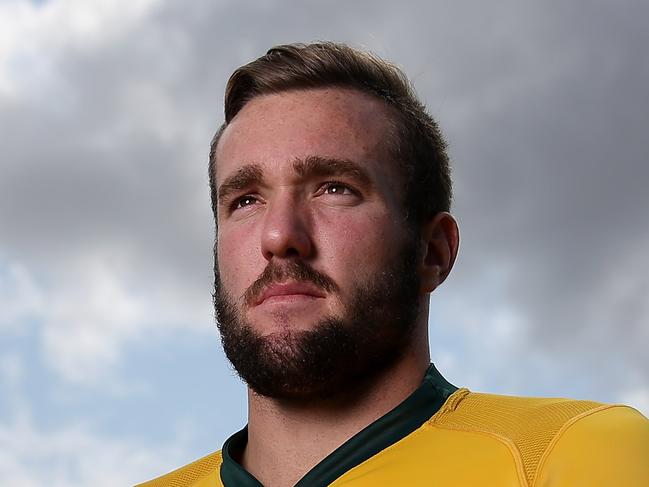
296, 270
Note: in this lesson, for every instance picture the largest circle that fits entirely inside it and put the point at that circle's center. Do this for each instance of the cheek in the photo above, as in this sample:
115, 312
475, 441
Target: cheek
237, 259
358, 245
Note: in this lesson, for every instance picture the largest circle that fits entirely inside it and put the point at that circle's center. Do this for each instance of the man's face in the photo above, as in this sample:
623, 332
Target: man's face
317, 284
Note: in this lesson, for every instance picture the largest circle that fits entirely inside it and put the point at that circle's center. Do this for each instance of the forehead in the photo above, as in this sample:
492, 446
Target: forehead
274, 130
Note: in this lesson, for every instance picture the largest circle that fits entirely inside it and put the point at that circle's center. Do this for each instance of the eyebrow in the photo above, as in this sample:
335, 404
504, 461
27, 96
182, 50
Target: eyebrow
319, 166
306, 168
243, 177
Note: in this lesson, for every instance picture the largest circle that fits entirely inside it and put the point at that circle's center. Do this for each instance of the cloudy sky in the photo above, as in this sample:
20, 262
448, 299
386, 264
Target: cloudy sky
111, 370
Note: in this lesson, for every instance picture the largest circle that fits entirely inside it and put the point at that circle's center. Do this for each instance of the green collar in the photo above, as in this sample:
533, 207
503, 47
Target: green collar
385, 431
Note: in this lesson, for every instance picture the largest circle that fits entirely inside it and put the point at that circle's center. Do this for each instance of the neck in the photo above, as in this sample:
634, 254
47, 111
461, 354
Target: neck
286, 440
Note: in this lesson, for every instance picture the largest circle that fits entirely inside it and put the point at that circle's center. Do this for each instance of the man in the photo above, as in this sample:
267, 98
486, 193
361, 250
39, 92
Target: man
331, 191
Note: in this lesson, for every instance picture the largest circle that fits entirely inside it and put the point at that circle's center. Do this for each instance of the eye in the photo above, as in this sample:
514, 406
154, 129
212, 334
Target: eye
336, 188
244, 201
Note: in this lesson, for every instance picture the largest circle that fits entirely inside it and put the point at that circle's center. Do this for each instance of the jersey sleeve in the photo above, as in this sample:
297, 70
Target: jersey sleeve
603, 447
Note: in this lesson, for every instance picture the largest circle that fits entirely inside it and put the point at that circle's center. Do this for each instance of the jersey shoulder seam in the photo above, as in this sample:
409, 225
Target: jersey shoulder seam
463, 402
566, 426
451, 404
508, 443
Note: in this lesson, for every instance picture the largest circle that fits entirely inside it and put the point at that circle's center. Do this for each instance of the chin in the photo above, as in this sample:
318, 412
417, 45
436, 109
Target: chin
283, 322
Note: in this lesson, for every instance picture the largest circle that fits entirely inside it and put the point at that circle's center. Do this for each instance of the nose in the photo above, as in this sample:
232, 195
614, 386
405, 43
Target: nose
286, 231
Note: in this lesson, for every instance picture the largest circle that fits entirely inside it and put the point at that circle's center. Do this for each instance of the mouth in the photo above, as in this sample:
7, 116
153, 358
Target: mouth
289, 292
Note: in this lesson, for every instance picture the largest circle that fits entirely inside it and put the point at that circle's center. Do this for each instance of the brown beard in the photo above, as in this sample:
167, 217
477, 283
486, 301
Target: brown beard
340, 353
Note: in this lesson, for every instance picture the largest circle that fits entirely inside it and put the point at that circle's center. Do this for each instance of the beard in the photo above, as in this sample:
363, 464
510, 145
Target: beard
338, 354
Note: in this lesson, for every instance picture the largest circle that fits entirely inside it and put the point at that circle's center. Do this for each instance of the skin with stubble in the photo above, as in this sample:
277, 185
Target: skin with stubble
322, 285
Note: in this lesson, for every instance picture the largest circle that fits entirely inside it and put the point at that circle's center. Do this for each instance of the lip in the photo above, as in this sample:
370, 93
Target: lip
290, 289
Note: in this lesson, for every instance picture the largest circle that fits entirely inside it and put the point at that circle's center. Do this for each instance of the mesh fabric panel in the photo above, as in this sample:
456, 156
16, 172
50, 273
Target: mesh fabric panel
189, 474
529, 423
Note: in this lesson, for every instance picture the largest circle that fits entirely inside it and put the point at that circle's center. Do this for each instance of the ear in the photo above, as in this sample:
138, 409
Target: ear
440, 239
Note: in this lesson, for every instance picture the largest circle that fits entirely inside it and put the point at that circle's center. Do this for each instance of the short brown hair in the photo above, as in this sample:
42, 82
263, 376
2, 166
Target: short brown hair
419, 147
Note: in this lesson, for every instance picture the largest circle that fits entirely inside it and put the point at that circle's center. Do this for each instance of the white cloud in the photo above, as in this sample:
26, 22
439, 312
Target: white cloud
20, 298
90, 315
96, 305
96, 259
33, 36
74, 456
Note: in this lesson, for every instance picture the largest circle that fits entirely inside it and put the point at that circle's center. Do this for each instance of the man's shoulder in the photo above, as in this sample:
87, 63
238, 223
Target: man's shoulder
200, 473
483, 410
552, 438
512, 416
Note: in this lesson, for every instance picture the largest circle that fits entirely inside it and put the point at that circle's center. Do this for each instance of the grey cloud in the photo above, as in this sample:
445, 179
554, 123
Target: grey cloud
544, 105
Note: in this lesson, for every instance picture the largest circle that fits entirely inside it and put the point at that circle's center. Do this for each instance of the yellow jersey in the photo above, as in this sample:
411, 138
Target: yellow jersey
445, 436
